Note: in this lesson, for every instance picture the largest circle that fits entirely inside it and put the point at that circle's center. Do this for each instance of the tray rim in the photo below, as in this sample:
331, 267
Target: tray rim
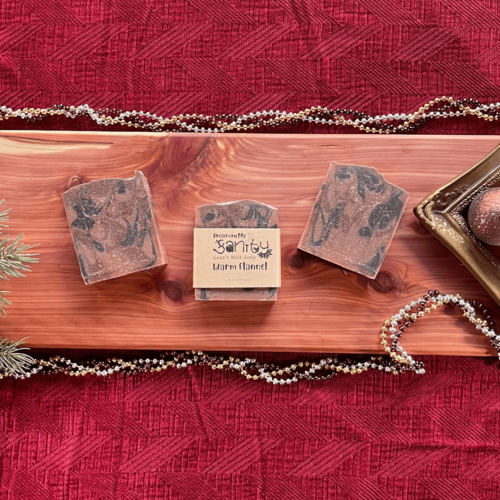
439, 213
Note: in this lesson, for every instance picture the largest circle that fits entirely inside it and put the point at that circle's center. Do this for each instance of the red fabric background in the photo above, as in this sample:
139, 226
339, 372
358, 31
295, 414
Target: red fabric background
212, 435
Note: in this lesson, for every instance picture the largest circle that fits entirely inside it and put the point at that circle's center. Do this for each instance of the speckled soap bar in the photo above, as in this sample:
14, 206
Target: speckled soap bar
354, 218
237, 214
114, 229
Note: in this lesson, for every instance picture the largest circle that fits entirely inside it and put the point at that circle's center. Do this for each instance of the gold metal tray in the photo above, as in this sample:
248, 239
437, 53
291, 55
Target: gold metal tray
444, 214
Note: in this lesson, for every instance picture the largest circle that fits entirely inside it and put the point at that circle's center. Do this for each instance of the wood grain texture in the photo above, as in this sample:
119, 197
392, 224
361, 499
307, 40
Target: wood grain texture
320, 307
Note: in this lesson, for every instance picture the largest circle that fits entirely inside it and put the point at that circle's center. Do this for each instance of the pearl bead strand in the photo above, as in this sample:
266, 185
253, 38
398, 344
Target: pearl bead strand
441, 107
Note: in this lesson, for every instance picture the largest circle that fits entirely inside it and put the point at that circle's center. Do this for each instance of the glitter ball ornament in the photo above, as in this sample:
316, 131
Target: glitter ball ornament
484, 216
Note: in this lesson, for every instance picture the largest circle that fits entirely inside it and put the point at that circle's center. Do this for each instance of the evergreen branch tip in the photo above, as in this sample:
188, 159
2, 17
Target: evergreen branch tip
12, 358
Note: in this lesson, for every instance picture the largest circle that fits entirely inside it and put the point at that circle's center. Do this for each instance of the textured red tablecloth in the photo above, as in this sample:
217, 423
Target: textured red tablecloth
212, 435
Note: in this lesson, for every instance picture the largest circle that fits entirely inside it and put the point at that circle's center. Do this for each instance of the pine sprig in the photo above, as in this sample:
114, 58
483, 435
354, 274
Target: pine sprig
14, 258
3, 302
4, 215
13, 359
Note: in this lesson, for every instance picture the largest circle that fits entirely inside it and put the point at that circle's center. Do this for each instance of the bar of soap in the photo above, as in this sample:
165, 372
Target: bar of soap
114, 228
237, 214
354, 218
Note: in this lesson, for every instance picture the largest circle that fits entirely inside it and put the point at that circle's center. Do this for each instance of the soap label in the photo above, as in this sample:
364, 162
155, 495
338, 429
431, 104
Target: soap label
236, 258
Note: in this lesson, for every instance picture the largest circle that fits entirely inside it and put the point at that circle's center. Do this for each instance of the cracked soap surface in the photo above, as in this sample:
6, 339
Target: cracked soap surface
238, 214
113, 226
354, 218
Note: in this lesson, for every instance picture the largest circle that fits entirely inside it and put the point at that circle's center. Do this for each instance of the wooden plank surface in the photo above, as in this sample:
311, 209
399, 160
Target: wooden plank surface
320, 307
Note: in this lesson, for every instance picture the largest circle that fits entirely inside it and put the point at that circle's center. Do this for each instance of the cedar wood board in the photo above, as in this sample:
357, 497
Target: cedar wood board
320, 307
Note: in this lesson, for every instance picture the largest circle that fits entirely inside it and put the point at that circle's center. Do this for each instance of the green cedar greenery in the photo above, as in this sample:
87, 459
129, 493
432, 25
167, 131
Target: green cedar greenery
13, 258
14, 261
12, 359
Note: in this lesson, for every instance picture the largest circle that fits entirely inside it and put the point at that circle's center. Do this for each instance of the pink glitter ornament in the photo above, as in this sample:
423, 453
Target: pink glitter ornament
484, 216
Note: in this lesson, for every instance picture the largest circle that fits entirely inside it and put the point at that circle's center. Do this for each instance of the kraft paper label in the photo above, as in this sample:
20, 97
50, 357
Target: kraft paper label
236, 258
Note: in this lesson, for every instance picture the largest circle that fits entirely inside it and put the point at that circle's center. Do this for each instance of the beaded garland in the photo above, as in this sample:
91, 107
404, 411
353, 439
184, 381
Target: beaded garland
399, 360
441, 107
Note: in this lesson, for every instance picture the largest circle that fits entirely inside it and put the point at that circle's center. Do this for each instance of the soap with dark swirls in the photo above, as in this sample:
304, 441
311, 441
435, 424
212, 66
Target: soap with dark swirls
114, 228
354, 218
237, 214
